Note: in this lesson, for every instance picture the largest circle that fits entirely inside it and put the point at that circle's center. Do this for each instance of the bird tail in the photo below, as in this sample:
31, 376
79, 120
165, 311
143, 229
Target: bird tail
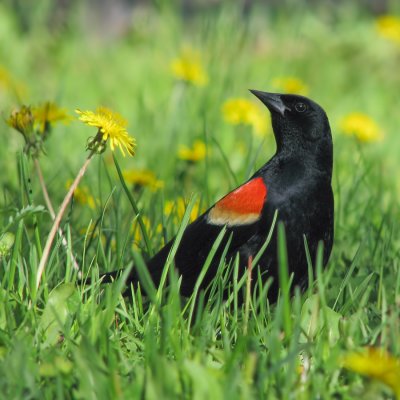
109, 277
148, 275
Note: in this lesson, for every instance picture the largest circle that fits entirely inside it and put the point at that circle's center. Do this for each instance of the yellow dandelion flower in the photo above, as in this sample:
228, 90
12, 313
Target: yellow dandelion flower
22, 120
142, 177
111, 126
376, 364
362, 126
47, 114
5, 77
388, 27
8, 82
82, 195
193, 154
188, 68
242, 111
177, 208
137, 232
34, 124
290, 84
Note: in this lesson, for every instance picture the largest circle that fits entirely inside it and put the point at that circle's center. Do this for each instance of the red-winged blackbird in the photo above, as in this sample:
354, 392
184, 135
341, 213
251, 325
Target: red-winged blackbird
296, 182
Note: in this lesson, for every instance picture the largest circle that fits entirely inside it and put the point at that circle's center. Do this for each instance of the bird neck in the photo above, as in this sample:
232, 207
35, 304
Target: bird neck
313, 160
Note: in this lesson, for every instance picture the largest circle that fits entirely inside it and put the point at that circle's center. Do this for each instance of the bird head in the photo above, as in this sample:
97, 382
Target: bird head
300, 126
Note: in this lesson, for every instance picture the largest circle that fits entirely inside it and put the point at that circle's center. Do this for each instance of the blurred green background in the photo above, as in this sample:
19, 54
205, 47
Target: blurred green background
179, 72
119, 54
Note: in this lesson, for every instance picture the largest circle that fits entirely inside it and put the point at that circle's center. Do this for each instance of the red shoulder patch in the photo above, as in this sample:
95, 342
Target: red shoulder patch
241, 206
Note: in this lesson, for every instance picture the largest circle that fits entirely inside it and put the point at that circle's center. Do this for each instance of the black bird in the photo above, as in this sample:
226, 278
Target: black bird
296, 182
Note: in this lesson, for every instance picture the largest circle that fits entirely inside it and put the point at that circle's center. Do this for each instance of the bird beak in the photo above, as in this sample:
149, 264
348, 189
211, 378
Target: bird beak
272, 100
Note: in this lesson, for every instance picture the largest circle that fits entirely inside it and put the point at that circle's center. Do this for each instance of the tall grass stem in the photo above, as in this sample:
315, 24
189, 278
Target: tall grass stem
57, 220
52, 213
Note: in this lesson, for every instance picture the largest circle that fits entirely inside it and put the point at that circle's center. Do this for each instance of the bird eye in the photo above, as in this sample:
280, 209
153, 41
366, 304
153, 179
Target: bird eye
300, 107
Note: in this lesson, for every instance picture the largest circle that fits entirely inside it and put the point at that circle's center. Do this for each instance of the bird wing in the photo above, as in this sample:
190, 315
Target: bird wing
242, 206
240, 211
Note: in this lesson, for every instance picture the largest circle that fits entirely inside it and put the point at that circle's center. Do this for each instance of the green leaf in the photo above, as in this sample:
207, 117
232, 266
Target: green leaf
314, 319
62, 304
6, 242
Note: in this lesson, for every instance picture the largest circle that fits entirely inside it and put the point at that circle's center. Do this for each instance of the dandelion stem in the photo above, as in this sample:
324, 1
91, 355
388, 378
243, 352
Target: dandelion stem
134, 206
52, 213
58, 218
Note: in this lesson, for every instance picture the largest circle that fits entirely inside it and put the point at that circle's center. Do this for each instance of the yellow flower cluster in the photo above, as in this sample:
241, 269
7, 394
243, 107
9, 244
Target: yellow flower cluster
143, 177
193, 154
178, 207
242, 111
290, 84
47, 114
111, 126
40, 118
388, 26
34, 123
362, 126
188, 68
138, 234
377, 364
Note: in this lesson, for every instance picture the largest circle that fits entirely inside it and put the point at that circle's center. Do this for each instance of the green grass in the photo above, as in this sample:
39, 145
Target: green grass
73, 341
